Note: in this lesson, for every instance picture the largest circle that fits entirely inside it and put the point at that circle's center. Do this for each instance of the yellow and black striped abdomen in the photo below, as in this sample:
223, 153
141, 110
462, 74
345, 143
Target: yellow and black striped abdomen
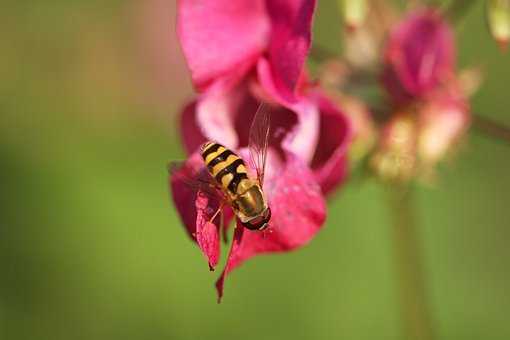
225, 166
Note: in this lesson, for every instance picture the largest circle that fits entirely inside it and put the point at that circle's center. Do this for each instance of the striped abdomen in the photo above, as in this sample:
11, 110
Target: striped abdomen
225, 166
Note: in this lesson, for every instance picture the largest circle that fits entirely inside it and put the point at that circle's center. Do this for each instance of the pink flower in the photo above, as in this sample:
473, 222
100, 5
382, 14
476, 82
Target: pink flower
293, 181
419, 56
431, 111
241, 53
294, 197
246, 51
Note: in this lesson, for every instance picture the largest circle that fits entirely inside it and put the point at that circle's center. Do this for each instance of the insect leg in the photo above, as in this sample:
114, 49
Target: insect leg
220, 209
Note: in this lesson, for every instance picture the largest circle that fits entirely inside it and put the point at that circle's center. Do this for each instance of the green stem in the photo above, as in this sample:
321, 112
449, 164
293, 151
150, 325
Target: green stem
412, 293
491, 128
457, 9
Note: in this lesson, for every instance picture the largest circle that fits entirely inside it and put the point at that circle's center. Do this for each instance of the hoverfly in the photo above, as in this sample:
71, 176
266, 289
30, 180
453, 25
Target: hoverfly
228, 175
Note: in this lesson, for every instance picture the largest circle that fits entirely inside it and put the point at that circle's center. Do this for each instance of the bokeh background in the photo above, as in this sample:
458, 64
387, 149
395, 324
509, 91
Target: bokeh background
90, 245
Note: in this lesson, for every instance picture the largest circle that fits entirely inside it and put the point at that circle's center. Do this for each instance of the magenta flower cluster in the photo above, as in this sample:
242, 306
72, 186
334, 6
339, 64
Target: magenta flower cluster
244, 52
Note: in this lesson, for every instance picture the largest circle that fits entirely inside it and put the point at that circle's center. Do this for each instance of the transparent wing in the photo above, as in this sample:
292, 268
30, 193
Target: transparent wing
259, 138
196, 181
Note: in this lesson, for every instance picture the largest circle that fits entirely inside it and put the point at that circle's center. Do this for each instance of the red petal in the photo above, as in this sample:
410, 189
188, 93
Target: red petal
196, 208
207, 234
218, 36
291, 22
330, 163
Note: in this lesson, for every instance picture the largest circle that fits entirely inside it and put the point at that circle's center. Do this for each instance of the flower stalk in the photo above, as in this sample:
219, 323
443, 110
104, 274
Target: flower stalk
414, 309
458, 9
491, 128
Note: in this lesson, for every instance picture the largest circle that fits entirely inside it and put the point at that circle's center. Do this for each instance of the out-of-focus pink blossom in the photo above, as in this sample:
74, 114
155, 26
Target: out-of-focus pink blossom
443, 119
429, 98
419, 136
395, 156
419, 56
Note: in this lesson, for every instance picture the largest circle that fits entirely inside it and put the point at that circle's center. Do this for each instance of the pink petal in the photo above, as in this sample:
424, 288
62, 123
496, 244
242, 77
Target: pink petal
443, 118
330, 163
298, 213
419, 56
225, 114
291, 22
221, 36
303, 139
207, 234
196, 206
211, 116
293, 129
216, 112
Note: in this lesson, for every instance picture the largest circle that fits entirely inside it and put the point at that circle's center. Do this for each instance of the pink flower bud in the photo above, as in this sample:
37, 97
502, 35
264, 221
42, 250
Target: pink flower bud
419, 56
354, 12
443, 121
498, 18
395, 158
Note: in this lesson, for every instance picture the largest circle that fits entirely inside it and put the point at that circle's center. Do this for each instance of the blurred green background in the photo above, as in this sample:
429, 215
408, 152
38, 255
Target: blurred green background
91, 248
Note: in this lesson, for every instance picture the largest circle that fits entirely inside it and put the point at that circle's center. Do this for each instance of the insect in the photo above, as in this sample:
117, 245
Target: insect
229, 175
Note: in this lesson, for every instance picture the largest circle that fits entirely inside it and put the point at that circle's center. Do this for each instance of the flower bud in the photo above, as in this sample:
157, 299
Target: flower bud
498, 18
395, 158
354, 13
419, 56
442, 123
